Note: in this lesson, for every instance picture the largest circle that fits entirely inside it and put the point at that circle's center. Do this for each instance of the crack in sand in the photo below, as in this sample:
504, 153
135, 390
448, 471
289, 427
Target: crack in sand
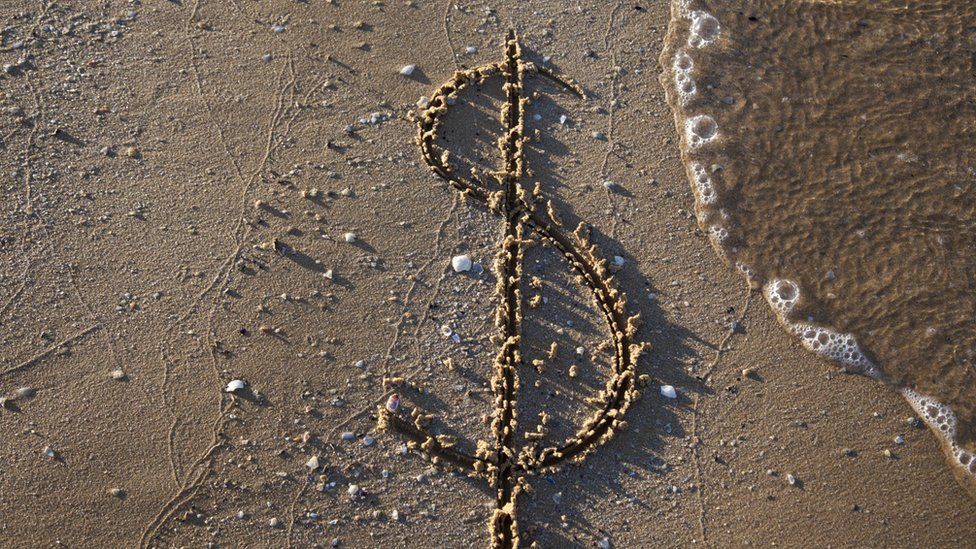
501, 464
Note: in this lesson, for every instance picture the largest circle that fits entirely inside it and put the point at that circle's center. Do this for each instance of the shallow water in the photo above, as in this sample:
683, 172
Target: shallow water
831, 147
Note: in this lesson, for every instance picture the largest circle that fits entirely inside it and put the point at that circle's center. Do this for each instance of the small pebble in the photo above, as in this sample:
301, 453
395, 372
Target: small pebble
348, 436
407, 70
368, 440
350, 237
274, 523
668, 391
118, 374
470, 49
353, 490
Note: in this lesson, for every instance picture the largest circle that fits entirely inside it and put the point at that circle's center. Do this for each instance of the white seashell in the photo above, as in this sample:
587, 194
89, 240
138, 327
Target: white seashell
235, 385
461, 263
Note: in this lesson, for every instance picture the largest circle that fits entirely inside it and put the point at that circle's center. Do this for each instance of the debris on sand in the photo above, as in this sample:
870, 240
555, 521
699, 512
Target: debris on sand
235, 385
461, 263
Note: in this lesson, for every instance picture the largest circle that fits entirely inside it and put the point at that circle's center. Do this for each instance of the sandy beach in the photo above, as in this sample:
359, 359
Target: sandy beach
201, 192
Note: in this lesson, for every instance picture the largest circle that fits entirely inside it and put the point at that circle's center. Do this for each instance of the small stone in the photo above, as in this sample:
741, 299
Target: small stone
49, 452
26, 392
887, 453
791, 479
348, 436
393, 402
461, 263
235, 385
350, 237
274, 523
131, 152
470, 49
746, 372
619, 261
407, 70
313, 463
423, 102
241, 515
368, 440
604, 543
354, 490
118, 374
563, 118
116, 492
668, 391
599, 136
395, 515
899, 439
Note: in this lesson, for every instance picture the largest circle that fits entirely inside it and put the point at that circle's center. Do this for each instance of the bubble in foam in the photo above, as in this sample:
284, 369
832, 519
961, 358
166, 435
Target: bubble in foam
704, 29
704, 190
683, 82
718, 233
782, 296
841, 348
686, 86
683, 63
941, 419
700, 130
937, 415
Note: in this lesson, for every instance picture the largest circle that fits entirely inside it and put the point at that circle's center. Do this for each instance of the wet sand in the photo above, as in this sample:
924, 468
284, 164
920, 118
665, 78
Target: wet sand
132, 238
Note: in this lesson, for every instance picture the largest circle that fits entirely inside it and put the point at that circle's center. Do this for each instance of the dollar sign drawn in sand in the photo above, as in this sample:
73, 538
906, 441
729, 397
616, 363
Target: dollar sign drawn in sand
527, 215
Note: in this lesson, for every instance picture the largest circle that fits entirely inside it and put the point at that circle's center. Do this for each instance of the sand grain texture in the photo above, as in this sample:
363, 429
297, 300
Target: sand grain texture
135, 149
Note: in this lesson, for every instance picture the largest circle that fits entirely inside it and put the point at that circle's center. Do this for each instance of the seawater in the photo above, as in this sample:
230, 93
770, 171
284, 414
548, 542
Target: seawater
830, 147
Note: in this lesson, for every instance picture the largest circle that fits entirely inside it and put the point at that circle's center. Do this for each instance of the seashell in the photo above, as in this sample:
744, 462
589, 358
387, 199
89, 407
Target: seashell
235, 385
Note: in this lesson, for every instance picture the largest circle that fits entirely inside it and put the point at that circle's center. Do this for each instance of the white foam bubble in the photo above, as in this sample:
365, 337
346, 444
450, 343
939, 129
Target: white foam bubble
683, 82
700, 129
941, 419
782, 295
718, 233
937, 415
683, 62
702, 185
705, 29
686, 86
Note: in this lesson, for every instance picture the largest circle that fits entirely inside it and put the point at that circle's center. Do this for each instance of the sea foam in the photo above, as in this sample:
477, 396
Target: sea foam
699, 129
